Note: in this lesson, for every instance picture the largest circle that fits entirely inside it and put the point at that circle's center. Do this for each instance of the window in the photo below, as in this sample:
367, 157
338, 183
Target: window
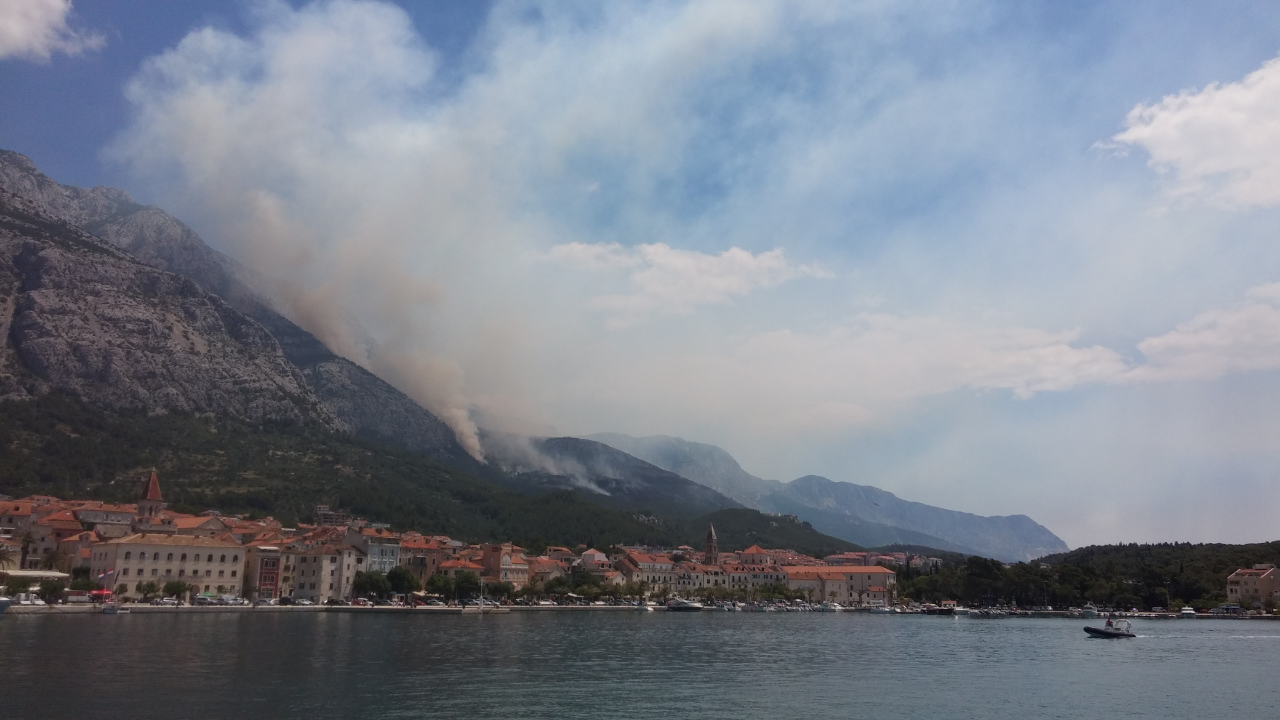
222, 573
168, 572
153, 572
170, 558
141, 556
184, 557
126, 572
233, 573
224, 559
181, 573
210, 559
333, 558
208, 573
126, 555
235, 558
330, 586
331, 572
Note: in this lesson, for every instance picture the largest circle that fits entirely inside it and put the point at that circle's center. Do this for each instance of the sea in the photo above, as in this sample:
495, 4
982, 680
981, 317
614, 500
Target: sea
741, 666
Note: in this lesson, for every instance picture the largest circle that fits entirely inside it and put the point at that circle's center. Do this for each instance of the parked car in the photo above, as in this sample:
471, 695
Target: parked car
362, 602
203, 600
304, 602
288, 600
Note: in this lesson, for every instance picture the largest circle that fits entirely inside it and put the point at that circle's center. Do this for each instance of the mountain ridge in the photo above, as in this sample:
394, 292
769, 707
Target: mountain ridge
861, 514
359, 401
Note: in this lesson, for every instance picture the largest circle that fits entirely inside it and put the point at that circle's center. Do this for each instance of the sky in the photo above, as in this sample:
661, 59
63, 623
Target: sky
998, 257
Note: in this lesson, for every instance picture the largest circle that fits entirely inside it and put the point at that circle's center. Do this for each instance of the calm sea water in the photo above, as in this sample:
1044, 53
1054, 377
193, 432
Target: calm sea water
633, 665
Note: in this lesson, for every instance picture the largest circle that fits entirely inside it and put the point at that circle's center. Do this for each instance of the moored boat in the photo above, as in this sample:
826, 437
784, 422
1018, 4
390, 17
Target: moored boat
1089, 611
114, 608
682, 605
1188, 612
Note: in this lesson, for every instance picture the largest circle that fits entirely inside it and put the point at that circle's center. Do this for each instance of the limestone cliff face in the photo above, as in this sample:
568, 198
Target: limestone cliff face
83, 316
360, 402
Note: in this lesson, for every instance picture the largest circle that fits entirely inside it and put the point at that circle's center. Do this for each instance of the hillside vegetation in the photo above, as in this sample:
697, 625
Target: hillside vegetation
738, 529
58, 445
1125, 576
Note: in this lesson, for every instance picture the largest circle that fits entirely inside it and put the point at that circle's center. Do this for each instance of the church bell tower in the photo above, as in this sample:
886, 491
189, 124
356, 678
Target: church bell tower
713, 547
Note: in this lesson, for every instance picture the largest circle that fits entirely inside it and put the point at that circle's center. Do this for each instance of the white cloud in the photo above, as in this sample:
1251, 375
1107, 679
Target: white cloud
1213, 344
36, 29
673, 281
1220, 144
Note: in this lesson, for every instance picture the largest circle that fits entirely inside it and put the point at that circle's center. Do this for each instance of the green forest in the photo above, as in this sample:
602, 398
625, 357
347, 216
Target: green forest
1167, 575
57, 445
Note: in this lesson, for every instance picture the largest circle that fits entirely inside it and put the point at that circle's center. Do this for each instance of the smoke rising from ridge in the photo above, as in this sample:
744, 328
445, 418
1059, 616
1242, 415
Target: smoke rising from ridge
584, 227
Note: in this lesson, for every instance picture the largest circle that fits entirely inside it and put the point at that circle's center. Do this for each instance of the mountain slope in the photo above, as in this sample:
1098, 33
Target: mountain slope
860, 514
704, 464
361, 403
80, 315
63, 446
1011, 537
605, 474
739, 529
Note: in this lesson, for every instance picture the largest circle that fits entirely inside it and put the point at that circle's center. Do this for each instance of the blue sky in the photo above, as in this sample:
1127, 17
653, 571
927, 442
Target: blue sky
1004, 258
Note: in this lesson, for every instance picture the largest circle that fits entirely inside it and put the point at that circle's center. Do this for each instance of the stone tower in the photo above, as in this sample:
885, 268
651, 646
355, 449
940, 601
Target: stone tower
713, 547
151, 502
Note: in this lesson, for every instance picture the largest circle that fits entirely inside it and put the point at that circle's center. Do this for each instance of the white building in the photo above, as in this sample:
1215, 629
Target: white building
325, 572
210, 565
381, 547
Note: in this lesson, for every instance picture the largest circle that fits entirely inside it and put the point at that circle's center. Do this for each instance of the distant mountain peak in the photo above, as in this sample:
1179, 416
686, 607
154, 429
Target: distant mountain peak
861, 514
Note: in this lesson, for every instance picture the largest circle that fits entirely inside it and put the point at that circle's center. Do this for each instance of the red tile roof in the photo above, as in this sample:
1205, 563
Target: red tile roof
152, 491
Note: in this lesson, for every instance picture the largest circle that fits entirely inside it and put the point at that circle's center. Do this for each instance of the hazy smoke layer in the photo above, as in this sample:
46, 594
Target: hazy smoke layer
783, 227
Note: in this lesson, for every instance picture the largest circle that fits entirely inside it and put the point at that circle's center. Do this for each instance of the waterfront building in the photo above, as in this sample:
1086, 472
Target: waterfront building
423, 556
742, 577
656, 570
694, 576
380, 546
210, 565
503, 562
326, 572
264, 570
1251, 587
859, 584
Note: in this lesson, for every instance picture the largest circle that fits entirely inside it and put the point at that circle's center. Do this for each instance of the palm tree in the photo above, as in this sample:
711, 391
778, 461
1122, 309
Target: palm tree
6, 556
27, 541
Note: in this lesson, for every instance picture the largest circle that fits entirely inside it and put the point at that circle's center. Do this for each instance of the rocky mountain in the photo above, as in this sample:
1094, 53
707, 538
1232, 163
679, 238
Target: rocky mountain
860, 514
359, 402
704, 464
80, 315
604, 474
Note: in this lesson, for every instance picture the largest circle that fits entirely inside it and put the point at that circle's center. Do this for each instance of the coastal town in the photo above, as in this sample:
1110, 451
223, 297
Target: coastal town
86, 552
146, 552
